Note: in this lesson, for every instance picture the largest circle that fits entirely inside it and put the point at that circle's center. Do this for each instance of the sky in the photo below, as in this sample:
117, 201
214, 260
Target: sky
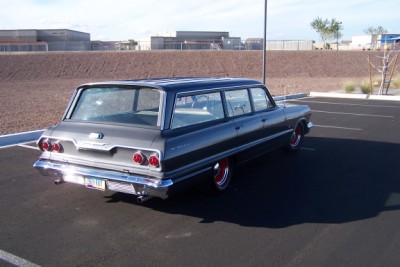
119, 20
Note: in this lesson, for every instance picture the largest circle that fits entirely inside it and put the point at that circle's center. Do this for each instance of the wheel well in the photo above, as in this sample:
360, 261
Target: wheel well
305, 127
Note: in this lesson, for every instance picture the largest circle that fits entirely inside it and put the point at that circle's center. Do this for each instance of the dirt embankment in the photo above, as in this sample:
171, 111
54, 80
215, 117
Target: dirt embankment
35, 88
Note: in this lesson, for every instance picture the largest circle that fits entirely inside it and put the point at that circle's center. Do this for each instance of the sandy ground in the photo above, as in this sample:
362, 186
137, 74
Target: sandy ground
35, 87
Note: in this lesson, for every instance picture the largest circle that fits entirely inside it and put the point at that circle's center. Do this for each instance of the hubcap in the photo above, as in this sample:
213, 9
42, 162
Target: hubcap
221, 171
296, 137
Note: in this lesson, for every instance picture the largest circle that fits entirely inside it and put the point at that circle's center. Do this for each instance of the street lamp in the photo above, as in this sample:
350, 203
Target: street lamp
265, 41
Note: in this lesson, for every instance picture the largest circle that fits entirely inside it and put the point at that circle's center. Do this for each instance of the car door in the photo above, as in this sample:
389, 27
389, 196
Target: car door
273, 116
248, 124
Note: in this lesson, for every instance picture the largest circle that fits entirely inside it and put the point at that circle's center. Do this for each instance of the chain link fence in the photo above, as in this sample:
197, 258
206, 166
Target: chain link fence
23, 47
147, 45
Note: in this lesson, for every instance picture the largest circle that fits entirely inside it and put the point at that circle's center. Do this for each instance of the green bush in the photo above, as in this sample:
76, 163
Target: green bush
365, 87
349, 87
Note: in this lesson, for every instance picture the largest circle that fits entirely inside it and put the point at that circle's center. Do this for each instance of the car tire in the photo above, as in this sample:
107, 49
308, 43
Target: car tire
222, 174
296, 140
220, 179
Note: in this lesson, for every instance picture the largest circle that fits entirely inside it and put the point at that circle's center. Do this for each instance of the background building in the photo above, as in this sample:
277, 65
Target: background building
44, 40
190, 40
375, 41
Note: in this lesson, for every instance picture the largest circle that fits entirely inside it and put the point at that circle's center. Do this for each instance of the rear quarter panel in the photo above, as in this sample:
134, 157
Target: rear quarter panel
186, 150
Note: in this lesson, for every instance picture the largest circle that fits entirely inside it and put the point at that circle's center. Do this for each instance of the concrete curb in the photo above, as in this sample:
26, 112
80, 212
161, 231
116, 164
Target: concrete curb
295, 96
18, 138
385, 97
356, 96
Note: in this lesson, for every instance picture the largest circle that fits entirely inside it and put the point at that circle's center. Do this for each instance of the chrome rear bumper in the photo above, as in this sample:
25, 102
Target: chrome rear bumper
115, 181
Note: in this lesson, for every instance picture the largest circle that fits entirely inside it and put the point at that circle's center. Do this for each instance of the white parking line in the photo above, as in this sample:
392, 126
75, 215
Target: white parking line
354, 114
307, 148
338, 127
15, 260
28, 146
344, 104
19, 138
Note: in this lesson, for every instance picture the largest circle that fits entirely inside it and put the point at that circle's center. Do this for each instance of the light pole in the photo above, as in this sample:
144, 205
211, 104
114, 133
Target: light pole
265, 41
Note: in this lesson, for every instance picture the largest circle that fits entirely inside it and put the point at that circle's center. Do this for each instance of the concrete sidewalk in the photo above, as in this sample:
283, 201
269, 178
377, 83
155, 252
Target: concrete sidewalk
393, 95
19, 138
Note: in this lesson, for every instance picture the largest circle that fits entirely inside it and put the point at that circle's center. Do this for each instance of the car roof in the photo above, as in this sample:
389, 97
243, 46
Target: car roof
183, 84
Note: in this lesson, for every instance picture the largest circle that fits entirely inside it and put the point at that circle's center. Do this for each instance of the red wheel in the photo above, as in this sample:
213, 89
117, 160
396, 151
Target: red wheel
222, 174
296, 139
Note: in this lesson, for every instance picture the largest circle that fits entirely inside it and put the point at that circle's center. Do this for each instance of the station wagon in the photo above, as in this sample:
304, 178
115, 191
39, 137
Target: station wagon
157, 137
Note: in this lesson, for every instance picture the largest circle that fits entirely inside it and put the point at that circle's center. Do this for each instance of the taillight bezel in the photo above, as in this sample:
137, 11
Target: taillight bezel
57, 147
138, 158
44, 145
47, 145
154, 161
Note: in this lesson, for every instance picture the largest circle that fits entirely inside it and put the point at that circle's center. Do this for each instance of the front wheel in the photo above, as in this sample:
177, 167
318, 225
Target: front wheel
296, 140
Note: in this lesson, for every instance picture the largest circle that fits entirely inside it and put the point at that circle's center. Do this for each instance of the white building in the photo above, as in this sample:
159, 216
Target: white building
374, 41
190, 40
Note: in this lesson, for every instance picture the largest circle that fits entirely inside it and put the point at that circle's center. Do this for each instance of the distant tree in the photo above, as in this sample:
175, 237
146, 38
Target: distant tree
132, 42
375, 31
336, 27
321, 26
328, 29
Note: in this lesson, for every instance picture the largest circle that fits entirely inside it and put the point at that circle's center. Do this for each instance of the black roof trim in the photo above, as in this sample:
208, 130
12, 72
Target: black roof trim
182, 84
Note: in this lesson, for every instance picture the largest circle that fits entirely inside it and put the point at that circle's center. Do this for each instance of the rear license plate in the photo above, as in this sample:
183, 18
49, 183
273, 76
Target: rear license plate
95, 183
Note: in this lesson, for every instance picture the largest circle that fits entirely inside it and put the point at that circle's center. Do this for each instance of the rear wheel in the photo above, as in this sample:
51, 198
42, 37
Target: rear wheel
222, 174
221, 177
296, 139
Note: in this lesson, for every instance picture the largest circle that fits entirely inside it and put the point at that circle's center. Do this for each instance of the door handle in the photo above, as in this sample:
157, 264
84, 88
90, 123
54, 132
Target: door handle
238, 127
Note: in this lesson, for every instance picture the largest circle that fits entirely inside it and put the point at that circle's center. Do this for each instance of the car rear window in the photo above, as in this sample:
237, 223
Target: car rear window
119, 105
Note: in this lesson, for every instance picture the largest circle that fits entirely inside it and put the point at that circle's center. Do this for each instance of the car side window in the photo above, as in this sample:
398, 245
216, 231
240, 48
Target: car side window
194, 109
260, 99
238, 102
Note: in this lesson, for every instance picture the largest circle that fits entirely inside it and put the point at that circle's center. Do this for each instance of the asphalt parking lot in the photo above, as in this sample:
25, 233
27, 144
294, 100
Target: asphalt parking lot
335, 203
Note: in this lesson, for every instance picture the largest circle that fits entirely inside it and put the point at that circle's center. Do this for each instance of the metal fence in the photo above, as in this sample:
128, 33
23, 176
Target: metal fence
242, 45
45, 46
147, 45
290, 45
23, 47
69, 46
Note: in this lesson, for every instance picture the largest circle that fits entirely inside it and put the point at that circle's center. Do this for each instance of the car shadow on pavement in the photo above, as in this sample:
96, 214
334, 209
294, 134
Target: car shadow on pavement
340, 180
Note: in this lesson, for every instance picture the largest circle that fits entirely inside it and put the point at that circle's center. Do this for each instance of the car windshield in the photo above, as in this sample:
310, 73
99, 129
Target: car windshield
130, 105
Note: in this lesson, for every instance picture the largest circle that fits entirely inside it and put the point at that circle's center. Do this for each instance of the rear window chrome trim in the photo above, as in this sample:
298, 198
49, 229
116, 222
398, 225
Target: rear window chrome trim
78, 92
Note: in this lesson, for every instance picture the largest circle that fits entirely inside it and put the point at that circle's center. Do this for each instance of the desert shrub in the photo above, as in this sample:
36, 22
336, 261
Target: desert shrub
376, 80
349, 87
365, 87
395, 83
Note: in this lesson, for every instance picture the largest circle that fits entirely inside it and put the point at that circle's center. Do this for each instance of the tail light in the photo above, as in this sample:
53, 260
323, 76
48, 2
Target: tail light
56, 147
45, 145
138, 158
154, 161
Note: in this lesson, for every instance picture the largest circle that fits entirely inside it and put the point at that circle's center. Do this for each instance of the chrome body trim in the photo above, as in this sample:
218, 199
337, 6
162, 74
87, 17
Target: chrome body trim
216, 157
97, 146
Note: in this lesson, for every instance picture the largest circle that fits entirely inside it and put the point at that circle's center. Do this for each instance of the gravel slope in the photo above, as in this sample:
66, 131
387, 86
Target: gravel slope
35, 87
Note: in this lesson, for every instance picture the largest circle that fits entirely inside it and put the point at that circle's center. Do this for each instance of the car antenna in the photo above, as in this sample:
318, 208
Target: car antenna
284, 98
